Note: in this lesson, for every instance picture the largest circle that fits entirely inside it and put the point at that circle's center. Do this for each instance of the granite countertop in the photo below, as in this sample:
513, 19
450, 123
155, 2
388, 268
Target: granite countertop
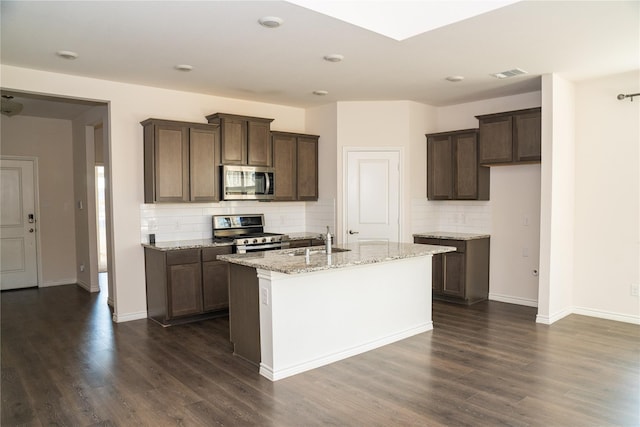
451, 235
185, 244
294, 261
305, 235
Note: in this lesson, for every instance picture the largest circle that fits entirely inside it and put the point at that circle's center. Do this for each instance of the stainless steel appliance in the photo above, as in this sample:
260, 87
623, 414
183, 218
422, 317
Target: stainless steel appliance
247, 183
246, 232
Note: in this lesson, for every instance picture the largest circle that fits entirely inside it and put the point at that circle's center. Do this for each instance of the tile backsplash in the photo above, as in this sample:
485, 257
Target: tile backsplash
454, 216
170, 222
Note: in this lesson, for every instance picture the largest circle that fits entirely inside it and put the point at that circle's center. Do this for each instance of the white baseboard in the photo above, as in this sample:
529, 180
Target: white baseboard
59, 282
87, 286
548, 320
120, 318
627, 318
513, 300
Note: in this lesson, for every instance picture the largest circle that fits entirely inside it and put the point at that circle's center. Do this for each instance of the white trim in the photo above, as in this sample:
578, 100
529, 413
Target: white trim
272, 375
87, 286
129, 316
602, 314
59, 282
513, 300
401, 183
548, 320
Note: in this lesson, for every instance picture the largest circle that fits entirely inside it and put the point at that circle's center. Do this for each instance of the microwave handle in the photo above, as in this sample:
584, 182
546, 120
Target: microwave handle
268, 183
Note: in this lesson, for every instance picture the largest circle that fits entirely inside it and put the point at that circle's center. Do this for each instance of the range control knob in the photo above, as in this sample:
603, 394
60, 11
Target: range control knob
264, 239
245, 242
255, 240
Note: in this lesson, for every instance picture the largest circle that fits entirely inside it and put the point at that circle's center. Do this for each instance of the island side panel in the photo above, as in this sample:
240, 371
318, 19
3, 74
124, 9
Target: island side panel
244, 315
313, 319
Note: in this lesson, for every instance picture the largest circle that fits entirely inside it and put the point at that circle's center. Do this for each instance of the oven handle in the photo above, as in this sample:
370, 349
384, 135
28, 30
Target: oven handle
241, 249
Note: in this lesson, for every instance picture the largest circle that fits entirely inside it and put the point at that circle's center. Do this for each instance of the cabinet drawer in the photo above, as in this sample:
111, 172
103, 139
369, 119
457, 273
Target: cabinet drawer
210, 254
460, 245
183, 256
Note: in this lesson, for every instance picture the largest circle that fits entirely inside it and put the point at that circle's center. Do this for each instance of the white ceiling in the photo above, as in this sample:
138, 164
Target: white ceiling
232, 56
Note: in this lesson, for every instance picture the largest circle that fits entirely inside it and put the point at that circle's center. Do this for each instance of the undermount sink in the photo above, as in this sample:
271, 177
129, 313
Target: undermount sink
302, 252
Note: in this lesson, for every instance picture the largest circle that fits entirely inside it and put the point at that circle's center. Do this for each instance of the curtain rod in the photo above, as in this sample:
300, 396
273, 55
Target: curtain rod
623, 96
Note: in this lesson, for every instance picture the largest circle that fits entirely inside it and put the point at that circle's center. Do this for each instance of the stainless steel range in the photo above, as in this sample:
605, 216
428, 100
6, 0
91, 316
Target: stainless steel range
247, 233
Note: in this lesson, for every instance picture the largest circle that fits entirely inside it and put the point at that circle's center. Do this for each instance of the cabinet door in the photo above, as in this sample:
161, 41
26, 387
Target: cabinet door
299, 243
171, 163
307, 172
184, 289
466, 166
215, 285
439, 168
285, 164
527, 139
496, 140
437, 274
258, 144
454, 274
233, 141
204, 165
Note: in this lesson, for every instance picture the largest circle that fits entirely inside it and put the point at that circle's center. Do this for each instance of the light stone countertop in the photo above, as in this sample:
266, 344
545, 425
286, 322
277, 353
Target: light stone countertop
451, 235
186, 244
305, 235
294, 261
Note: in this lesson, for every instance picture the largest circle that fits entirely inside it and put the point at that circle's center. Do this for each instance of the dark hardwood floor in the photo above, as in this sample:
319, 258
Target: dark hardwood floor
65, 363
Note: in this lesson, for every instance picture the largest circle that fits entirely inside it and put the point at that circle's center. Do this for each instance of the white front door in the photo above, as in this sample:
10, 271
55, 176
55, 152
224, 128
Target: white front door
373, 196
18, 259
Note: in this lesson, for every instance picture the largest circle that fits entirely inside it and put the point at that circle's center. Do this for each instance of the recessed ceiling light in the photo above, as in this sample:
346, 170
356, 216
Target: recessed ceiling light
455, 78
67, 54
184, 67
270, 21
320, 92
334, 57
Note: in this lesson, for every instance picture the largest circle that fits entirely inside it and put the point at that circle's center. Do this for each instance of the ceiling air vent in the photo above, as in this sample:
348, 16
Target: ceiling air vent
509, 73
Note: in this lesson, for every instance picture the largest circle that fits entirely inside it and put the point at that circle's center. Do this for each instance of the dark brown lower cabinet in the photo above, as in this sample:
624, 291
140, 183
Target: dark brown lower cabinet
303, 243
244, 313
461, 276
186, 284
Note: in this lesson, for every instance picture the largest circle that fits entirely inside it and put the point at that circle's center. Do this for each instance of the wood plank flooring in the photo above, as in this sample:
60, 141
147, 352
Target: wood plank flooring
65, 363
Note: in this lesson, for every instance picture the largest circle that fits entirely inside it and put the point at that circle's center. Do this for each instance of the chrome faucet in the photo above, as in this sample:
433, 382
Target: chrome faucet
327, 242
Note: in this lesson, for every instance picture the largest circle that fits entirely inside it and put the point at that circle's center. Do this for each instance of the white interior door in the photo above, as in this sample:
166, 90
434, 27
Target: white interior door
18, 254
373, 196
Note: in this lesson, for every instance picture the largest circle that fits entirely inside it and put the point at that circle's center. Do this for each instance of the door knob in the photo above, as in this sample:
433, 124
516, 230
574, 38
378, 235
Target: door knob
31, 230
353, 232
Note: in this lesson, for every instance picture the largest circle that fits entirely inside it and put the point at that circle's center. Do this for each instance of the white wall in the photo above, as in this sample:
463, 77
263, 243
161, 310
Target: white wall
514, 196
379, 124
50, 141
607, 198
129, 105
557, 200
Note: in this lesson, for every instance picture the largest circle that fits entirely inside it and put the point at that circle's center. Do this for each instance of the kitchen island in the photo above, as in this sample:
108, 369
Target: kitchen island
294, 310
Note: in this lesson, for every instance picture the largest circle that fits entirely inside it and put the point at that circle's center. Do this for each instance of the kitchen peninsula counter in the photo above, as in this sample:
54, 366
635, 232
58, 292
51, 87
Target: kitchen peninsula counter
289, 314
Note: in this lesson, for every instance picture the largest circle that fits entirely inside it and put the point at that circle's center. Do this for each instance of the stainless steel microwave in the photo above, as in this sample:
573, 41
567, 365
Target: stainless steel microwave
247, 183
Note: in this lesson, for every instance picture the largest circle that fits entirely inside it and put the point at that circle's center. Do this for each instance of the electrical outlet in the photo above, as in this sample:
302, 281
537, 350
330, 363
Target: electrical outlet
265, 296
525, 252
635, 290
81, 267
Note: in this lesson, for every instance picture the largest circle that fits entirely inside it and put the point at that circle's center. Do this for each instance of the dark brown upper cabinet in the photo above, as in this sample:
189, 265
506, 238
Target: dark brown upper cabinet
295, 159
453, 172
244, 140
180, 162
510, 137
